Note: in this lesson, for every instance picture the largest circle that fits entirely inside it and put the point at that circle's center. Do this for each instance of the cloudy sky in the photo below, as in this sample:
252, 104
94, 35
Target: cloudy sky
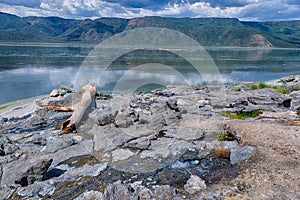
246, 10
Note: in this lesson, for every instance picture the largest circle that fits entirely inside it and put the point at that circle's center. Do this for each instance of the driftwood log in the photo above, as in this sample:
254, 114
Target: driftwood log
78, 109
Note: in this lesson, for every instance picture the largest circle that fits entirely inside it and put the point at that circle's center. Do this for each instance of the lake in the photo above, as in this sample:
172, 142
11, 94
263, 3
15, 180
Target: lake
28, 70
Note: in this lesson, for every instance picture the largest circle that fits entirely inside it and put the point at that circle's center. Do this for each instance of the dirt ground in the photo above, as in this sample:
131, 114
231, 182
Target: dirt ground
274, 171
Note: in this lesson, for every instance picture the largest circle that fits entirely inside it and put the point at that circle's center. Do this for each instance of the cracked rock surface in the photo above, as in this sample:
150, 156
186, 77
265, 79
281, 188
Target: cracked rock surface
182, 142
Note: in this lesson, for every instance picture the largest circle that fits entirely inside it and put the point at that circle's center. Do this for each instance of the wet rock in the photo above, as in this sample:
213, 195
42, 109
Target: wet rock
34, 173
55, 144
90, 195
194, 184
239, 154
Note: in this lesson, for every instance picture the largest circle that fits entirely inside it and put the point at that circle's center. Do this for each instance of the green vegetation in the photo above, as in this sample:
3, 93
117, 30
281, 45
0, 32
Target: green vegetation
283, 90
206, 31
225, 137
263, 85
278, 89
237, 89
253, 87
242, 115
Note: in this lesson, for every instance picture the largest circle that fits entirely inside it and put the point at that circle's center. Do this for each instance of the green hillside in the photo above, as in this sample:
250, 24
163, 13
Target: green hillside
207, 31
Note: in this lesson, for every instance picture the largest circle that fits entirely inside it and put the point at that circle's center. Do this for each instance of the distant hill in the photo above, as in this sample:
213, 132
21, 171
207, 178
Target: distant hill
207, 31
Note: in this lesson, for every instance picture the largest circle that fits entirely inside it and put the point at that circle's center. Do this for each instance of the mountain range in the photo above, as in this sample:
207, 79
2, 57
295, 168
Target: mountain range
207, 31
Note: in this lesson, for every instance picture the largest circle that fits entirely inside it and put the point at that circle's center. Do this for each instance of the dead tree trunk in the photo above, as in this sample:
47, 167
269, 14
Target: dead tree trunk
78, 109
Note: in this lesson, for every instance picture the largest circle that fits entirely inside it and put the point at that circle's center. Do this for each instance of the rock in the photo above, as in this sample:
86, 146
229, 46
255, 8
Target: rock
74, 173
1, 172
117, 191
172, 117
34, 173
108, 138
121, 154
7, 146
103, 117
157, 122
186, 133
54, 93
6, 193
123, 119
286, 103
55, 144
194, 184
141, 143
163, 192
90, 195
172, 104
106, 119
239, 154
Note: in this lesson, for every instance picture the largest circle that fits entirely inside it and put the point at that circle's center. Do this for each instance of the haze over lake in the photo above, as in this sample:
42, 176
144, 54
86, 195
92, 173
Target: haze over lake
28, 70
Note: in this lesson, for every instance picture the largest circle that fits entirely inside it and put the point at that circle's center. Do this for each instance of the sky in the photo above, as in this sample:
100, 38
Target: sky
245, 10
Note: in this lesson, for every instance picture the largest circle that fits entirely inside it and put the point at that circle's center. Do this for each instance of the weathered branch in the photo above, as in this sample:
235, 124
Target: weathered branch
87, 98
59, 108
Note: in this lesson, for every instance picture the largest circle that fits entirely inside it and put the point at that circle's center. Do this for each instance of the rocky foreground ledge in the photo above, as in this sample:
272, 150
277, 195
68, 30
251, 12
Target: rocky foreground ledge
179, 143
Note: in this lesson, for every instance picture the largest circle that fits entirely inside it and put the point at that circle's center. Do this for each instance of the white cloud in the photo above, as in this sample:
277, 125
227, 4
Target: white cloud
259, 10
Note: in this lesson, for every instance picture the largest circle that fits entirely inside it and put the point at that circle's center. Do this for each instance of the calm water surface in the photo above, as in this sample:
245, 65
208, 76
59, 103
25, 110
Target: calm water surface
28, 70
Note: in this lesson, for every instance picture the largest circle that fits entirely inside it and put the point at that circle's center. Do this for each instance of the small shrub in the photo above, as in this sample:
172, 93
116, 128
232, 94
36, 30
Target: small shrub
253, 87
263, 85
219, 152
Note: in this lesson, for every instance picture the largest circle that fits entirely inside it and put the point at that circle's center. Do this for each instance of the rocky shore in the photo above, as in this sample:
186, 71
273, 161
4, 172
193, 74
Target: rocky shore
183, 142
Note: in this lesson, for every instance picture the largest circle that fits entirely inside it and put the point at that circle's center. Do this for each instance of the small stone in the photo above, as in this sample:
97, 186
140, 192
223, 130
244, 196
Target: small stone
54, 93
239, 154
89, 195
194, 184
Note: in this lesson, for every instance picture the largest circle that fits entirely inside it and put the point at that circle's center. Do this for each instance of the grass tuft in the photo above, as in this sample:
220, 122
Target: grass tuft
242, 115
263, 85
253, 87
283, 90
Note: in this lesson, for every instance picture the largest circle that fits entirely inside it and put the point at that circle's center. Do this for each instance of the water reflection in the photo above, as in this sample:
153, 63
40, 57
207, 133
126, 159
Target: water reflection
27, 71
28, 82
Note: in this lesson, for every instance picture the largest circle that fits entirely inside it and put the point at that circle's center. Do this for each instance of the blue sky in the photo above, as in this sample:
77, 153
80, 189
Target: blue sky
245, 10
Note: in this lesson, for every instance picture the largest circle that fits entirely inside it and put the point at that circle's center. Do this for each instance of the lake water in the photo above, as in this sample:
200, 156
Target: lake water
28, 70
